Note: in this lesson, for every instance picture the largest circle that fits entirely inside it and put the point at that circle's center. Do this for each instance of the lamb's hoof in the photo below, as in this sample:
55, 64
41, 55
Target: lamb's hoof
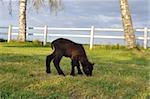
48, 71
80, 73
62, 74
72, 74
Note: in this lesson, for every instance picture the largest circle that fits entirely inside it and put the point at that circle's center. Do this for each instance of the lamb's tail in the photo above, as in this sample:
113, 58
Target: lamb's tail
52, 45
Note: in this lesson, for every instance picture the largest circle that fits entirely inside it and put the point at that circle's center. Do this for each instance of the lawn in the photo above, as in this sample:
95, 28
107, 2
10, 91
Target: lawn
118, 73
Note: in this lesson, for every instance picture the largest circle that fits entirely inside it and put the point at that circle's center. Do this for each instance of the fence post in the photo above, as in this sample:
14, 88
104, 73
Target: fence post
145, 37
91, 37
9, 33
45, 34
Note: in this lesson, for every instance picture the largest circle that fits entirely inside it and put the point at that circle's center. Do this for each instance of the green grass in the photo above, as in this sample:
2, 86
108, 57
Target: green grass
118, 74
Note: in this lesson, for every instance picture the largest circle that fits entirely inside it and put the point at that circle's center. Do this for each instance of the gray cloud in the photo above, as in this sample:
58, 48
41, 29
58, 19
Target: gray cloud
81, 13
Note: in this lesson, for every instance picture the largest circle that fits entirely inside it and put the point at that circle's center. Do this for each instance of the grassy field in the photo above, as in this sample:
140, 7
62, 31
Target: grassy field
118, 74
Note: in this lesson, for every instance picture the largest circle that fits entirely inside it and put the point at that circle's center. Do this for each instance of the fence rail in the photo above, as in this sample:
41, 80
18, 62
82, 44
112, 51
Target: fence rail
91, 36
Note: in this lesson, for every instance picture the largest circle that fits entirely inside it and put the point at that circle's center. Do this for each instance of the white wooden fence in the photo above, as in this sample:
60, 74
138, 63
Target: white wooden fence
45, 29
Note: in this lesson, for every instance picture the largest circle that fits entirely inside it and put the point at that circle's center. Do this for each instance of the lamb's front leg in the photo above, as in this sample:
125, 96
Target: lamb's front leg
75, 62
79, 70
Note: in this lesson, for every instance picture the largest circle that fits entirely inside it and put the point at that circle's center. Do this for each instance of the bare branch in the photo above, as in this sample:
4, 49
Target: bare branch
37, 4
10, 7
55, 5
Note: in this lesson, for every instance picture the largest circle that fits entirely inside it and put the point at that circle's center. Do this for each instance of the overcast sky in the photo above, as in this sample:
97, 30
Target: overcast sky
80, 13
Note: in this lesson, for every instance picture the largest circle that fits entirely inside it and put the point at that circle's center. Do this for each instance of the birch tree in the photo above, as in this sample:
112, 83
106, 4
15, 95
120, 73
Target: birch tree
127, 25
22, 20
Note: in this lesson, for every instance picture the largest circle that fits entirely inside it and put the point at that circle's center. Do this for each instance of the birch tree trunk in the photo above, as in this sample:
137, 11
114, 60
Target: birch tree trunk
127, 25
22, 21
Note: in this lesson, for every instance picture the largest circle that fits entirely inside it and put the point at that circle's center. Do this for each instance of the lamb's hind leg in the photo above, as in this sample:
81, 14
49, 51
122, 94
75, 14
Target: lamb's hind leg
56, 62
73, 64
48, 61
